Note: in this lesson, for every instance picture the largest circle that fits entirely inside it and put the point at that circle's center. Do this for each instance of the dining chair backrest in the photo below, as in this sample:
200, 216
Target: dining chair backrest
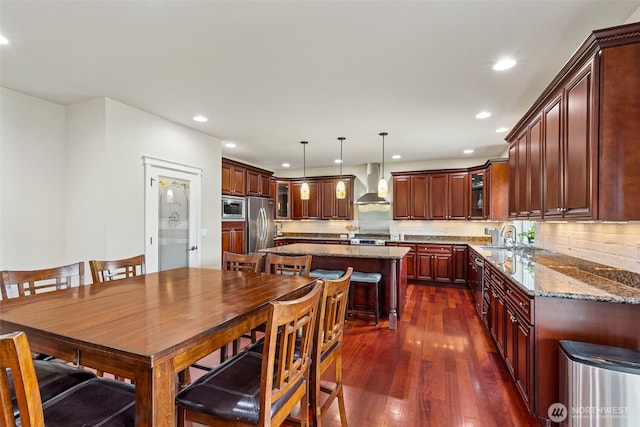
16, 284
242, 262
298, 265
16, 356
104, 271
327, 349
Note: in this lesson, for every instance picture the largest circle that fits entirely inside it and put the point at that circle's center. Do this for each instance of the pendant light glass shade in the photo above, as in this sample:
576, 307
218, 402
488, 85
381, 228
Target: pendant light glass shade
341, 189
304, 189
383, 189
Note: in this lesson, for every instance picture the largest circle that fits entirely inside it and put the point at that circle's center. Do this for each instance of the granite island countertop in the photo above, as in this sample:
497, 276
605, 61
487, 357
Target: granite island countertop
344, 251
548, 274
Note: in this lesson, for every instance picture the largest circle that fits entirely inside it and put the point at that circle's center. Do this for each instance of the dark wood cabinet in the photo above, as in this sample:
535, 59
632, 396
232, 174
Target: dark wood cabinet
282, 199
525, 160
332, 207
233, 178
305, 209
258, 183
449, 196
511, 326
434, 262
410, 196
459, 264
233, 236
409, 259
588, 131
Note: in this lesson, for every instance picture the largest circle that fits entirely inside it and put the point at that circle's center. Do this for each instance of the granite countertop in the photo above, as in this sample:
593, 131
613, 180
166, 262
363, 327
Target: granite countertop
346, 251
409, 239
548, 274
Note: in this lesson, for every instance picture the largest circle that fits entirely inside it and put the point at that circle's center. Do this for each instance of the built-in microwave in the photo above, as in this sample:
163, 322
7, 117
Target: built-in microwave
233, 208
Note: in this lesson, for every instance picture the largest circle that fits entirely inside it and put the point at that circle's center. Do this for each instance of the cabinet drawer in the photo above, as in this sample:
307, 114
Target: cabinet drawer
435, 249
494, 278
522, 303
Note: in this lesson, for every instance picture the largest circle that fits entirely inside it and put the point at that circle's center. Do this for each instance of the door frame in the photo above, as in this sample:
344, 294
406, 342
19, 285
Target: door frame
152, 168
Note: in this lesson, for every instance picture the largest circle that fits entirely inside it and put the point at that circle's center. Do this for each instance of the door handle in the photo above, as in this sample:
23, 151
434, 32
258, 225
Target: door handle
193, 248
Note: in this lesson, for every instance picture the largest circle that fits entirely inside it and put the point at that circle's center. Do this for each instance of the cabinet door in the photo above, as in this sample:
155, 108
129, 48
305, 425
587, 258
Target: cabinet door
511, 326
305, 209
424, 266
442, 268
332, 207
233, 179
233, 237
522, 176
458, 202
478, 196
283, 204
438, 196
459, 264
523, 343
534, 155
419, 196
552, 156
498, 314
253, 183
513, 180
401, 197
580, 148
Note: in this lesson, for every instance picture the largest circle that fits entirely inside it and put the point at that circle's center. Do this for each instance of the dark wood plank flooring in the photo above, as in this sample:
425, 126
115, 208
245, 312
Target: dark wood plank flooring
439, 368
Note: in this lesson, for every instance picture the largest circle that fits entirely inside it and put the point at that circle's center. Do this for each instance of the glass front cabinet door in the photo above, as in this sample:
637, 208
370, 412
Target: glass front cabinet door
282, 200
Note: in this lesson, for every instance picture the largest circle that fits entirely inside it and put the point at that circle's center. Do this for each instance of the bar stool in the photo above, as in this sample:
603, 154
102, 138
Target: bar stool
369, 280
321, 273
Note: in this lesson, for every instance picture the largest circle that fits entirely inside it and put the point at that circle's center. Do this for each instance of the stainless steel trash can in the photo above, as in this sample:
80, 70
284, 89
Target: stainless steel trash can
599, 386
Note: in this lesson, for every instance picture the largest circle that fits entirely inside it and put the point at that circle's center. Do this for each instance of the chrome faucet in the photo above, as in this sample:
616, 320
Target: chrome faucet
509, 236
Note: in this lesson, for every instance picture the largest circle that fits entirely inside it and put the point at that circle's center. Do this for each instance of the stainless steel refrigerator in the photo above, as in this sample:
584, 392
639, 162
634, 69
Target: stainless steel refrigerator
260, 225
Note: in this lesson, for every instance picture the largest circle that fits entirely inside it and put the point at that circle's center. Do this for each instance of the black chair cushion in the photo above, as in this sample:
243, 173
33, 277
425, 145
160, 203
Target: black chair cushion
230, 391
53, 379
97, 402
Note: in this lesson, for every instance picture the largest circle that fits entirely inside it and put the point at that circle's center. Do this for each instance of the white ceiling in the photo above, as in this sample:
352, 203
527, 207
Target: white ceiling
268, 74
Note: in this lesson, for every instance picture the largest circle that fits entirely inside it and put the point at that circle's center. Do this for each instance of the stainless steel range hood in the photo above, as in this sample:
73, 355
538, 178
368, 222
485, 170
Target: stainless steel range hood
371, 196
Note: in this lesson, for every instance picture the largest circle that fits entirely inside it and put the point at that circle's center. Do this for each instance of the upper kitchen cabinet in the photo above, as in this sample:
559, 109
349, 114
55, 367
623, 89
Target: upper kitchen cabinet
453, 194
283, 199
305, 209
233, 178
587, 137
332, 207
258, 182
410, 196
449, 195
489, 185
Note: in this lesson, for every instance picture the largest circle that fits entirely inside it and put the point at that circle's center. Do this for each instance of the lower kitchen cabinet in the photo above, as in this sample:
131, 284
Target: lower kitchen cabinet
409, 259
233, 237
511, 326
434, 263
459, 270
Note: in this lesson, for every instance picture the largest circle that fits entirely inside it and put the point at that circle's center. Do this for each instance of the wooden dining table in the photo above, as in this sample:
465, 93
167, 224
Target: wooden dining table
149, 328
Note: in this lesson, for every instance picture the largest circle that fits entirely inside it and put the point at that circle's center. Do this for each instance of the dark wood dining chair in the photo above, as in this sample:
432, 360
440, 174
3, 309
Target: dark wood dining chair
97, 401
299, 265
259, 389
104, 271
327, 350
22, 283
242, 262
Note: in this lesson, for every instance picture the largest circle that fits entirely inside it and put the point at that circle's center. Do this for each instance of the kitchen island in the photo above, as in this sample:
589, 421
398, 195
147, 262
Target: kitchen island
386, 260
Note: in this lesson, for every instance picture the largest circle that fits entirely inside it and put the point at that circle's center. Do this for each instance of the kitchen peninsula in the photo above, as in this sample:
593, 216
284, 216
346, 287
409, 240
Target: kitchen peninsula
386, 260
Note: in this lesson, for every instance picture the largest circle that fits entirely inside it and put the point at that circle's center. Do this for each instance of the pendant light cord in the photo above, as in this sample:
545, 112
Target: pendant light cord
383, 134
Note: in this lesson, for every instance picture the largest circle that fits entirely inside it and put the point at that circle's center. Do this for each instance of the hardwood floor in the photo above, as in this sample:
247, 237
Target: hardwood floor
439, 368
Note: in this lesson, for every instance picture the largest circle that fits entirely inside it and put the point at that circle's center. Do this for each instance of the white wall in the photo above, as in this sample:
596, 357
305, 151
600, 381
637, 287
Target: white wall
33, 171
72, 180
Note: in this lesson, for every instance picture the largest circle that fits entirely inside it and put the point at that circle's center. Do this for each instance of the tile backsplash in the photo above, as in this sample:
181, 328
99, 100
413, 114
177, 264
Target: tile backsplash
613, 244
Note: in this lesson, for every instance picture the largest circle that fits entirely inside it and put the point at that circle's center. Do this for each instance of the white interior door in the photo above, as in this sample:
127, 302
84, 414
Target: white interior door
172, 215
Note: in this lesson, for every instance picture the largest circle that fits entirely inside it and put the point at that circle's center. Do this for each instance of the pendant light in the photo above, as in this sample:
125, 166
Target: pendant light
383, 190
341, 190
304, 189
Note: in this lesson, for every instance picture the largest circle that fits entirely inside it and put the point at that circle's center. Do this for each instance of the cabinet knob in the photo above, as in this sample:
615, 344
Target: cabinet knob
523, 304
513, 319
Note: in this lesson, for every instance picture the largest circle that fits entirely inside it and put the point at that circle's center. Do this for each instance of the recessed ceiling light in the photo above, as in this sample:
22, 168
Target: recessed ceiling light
230, 145
504, 64
201, 119
501, 130
468, 151
3, 40
285, 165
337, 161
483, 115
396, 156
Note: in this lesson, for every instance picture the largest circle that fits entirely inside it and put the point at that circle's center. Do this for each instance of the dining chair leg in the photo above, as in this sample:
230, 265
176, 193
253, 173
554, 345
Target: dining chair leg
340, 395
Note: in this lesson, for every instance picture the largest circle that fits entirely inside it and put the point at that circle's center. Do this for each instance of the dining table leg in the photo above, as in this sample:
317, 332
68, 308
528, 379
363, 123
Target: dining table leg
155, 396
